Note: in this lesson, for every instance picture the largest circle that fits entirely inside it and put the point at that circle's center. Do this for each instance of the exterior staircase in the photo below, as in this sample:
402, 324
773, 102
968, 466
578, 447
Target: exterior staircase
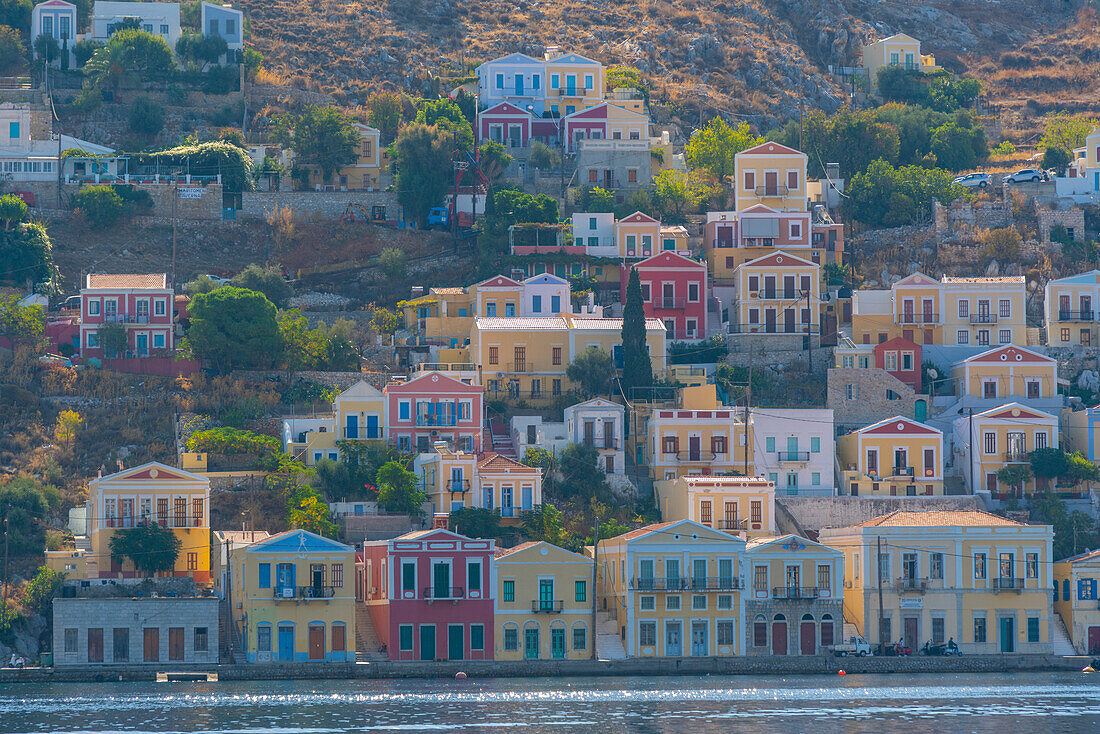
501, 440
609, 645
367, 644
227, 635
1060, 643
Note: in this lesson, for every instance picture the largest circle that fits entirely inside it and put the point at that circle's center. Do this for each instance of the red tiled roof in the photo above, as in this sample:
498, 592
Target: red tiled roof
642, 531
938, 519
493, 460
127, 280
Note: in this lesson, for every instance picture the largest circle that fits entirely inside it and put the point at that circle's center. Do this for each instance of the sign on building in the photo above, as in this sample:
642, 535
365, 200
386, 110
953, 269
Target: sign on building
190, 193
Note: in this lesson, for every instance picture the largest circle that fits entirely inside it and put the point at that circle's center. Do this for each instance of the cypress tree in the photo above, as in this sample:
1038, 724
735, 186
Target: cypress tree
637, 367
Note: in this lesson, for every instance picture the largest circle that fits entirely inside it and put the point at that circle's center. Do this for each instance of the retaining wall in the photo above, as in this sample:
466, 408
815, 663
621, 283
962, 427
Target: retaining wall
317, 205
814, 513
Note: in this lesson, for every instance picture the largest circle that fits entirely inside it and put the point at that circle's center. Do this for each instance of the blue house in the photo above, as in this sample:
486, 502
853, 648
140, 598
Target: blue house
57, 19
225, 22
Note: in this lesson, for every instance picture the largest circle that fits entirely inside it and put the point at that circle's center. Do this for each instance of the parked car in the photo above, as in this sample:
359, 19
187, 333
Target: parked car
854, 646
974, 180
1025, 174
218, 279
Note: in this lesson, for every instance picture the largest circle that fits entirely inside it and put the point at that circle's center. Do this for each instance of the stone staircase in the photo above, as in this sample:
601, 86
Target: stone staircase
1060, 643
227, 635
367, 643
501, 440
609, 645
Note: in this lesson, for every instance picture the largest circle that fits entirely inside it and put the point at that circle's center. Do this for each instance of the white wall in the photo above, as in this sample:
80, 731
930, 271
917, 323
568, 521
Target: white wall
782, 423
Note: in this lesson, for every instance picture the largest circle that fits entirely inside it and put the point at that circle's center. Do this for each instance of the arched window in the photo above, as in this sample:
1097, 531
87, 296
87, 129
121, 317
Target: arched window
511, 637
760, 631
807, 618
826, 630
779, 618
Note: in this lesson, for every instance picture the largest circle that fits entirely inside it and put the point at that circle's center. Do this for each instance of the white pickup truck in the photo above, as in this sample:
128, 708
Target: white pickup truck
855, 646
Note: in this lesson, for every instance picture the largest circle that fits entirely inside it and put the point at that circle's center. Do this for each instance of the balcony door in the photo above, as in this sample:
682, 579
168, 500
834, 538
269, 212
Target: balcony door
546, 595
674, 646
441, 580
668, 295
284, 579
793, 580
1063, 307
771, 183
926, 306
901, 461
695, 451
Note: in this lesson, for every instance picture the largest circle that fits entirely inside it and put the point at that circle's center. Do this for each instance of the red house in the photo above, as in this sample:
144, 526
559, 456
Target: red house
513, 127
141, 303
433, 407
430, 595
674, 289
901, 358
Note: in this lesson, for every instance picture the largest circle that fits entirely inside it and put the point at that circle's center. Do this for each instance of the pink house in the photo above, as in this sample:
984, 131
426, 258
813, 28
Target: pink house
515, 127
430, 595
674, 289
433, 407
901, 358
141, 303
604, 122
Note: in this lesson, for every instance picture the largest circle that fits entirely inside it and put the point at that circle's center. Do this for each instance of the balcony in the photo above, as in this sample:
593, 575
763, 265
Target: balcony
794, 592
776, 190
1076, 316
902, 471
125, 318
546, 606
919, 318
460, 486
361, 433
669, 303
1017, 457
610, 444
911, 584
983, 318
766, 328
307, 593
167, 521
519, 366
1007, 583
444, 593
781, 294
793, 457
710, 583
444, 421
730, 526
695, 455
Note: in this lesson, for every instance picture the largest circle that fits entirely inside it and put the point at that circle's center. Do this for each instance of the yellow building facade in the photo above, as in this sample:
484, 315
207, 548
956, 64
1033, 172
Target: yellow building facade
969, 576
293, 598
779, 293
1007, 373
674, 590
358, 414
771, 175
1070, 306
896, 456
739, 505
456, 479
1000, 437
896, 50
696, 436
1076, 600
545, 604
369, 172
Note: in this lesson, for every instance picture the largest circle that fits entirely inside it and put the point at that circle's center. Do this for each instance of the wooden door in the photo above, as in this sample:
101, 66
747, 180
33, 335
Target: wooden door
316, 642
779, 638
151, 645
1094, 641
912, 632
771, 183
788, 321
95, 645
808, 636
175, 643
695, 450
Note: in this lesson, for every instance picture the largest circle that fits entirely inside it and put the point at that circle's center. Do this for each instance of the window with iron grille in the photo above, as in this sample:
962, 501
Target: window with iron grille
725, 632
337, 570
704, 513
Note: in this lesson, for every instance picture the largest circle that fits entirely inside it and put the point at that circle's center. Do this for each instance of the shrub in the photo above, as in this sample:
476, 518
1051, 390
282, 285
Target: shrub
1002, 245
100, 204
232, 441
83, 50
11, 47
1005, 148
88, 100
146, 116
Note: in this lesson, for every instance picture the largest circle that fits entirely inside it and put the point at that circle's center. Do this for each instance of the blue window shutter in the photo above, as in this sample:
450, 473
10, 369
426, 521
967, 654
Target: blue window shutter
1065, 589
265, 575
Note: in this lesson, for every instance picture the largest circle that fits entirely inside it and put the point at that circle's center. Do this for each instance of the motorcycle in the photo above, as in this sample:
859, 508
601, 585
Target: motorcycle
941, 649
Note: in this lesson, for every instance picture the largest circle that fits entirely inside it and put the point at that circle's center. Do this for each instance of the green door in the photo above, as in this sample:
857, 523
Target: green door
557, 643
531, 643
1008, 634
427, 642
546, 595
455, 644
920, 411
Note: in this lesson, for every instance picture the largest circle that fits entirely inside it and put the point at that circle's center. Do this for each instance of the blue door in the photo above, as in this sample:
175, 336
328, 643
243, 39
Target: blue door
519, 83
286, 642
427, 642
141, 344
352, 430
528, 499
372, 426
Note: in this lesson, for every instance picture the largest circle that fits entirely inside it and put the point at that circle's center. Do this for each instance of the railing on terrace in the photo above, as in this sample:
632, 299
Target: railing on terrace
1076, 315
432, 593
684, 583
911, 584
125, 318
794, 456
458, 485
983, 318
919, 318
794, 592
446, 367
446, 420
363, 433
304, 592
169, 521
1006, 583
546, 606
670, 302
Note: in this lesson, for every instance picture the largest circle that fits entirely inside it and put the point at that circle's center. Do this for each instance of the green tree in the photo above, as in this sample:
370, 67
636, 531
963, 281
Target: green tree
46, 46
948, 93
113, 340
201, 49
544, 523
101, 205
129, 58
307, 510
266, 279
384, 113
715, 146
637, 365
146, 116
627, 77
392, 260
397, 490
26, 258
13, 211
303, 348
597, 199
1057, 159
676, 192
84, 50
1074, 531
201, 284
543, 157
579, 474
324, 137
16, 13
476, 522
1066, 131
11, 48
884, 196
423, 157
591, 372
447, 116
39, 592
233, 328
23, 509
21, 323
955, 148
253, 60
1002, 245
152, 548
1015, 476
852, 139
540, 457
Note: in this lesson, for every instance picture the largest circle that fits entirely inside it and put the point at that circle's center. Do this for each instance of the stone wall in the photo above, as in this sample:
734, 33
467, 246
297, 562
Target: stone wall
1072, 219
201, 202
870, 403
358, 528
962, 218
777, 351
317, 205
814, 513
793, 610
342, 380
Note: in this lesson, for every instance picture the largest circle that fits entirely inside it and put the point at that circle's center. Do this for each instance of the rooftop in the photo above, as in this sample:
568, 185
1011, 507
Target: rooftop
127, 280
939, 518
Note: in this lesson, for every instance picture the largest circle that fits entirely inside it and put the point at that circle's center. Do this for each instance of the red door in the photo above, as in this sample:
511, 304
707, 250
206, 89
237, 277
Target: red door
809, 638
779, 638
1094, 640
316, 642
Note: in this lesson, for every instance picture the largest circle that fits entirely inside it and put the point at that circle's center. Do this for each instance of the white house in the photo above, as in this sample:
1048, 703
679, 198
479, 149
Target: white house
533, 431
599, 423
57, 19
224, 21
160, 19
794, 449
23, 158
595, 231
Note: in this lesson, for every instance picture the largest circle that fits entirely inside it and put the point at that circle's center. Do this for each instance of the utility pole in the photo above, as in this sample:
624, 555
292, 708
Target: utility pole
175, 219
595, 566
6, 538
881, 616
748, 413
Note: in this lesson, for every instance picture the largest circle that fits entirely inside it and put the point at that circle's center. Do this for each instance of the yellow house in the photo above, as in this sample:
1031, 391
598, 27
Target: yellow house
739, 505
1075, 600
1007, 373
637, 235
936, 575
674, 590
794, 600
696, 436
575, 82
293, 598
896, 50
369, 172
444, 315
896, 456
526, 358
152, 493
544, 607
952, 311
771, 175
1000, 437
779, 293
358, 414
1070, 306
456, 479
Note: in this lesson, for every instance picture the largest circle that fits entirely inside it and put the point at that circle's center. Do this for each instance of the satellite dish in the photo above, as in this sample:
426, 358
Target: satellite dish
933, 373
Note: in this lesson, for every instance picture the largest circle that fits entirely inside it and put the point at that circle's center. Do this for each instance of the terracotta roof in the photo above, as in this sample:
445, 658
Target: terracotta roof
493, 460
1087, 555
127, 280
531, 323
938, 518
719, 481
501, 552
642, 531
613, 324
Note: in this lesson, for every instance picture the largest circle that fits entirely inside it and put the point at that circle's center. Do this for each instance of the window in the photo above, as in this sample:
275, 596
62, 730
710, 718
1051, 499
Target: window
938, 630
672, 603
647, 603
579, 641
693, 292
580, 590
477, 637
93, 340
718, 445
750, 180
935, 566
93, 308
1032, 629
555, 304
13, 130
71, 639
192, 561
815, 478
404, 410
792, 181
555, 81
964, 309
1004, 336
699, 602
724, 630
511, 638
536, 304
405, 636
962, 337
670, 444
556, 387
647, 634
989, 443
1031, 564
509, 590
1086, 589
1065, 335
755, 508
158, 341
556, 355
593, 176
473, 576
824, 577
1040, 440
891, 361
769, 444
202, 639
979, 629
851, 391
907, 361
588, 81
164, 30
500, 81
815, 444
1004, 308
760, 632
632, 175
979, 565
759, 578
725, 602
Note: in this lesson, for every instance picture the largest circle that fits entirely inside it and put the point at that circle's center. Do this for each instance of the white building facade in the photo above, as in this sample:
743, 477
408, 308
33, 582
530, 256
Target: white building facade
794, 449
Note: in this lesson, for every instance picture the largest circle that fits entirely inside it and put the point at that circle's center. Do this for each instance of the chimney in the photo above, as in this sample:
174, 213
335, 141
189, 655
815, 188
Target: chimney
439, 521
832, 171
551, 52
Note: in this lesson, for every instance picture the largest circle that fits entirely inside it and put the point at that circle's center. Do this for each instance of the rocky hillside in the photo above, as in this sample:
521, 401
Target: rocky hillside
755, 58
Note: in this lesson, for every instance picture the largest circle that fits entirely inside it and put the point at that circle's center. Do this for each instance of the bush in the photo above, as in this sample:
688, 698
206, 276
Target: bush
146, 116
100, 204
11, 48
1002, 245
83, 50
266, 280
89, 100
1005, 148
232, 441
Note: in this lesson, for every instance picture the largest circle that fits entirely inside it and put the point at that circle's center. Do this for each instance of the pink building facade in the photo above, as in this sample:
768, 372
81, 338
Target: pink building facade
674, 289
430, 595
900, 357
514, 127
433, 407
141, 303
